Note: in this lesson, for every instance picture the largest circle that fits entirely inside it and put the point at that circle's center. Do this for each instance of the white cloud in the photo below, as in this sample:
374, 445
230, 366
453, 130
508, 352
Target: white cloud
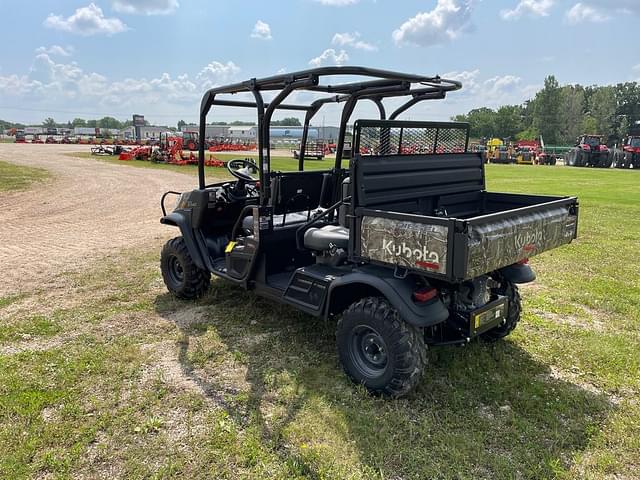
56, 50
216, 73
446, 22
491, 92
50, 86
331, 57
145, 7
469, 79
337, 3
533, 8
582, 12
261, 30
352, 40
619, 6
89, 20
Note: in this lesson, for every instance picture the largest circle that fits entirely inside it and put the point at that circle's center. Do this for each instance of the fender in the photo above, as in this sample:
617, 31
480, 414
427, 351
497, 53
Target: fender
397, 291
180, 220
518, 273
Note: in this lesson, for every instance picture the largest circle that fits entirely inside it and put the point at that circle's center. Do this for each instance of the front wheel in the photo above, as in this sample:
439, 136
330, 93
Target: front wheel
181, 275
380, 350
509, 290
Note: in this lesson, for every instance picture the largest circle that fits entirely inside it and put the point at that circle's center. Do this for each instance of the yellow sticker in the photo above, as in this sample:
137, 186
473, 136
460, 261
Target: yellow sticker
229, 247
477, 321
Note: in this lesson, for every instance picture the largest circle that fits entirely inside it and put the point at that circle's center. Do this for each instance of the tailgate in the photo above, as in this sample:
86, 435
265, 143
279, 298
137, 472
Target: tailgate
497, 240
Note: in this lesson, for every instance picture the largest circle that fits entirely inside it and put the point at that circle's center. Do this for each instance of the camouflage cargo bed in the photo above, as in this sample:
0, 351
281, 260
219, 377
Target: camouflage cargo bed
420, 204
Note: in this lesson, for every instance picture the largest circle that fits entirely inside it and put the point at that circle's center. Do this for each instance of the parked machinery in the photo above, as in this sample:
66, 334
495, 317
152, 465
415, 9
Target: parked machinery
190, 141
499, 152
590, 151
527, 151
628, 154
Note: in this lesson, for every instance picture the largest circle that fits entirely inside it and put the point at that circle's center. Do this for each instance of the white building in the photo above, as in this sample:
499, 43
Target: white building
146, 132
243, 132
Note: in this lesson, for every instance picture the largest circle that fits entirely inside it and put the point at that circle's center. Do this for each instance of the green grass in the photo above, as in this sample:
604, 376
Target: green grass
16, 177
131, 383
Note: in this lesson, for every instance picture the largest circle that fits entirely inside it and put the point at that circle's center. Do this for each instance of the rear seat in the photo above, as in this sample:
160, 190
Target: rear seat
281, 221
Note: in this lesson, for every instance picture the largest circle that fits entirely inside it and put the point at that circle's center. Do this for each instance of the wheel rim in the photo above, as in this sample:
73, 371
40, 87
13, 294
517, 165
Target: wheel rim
175, 270
368, 351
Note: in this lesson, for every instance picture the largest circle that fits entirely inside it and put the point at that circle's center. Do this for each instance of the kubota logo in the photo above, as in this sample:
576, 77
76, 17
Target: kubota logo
422, 257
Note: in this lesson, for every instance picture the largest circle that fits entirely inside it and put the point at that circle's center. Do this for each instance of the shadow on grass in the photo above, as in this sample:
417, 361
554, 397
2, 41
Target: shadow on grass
485, 410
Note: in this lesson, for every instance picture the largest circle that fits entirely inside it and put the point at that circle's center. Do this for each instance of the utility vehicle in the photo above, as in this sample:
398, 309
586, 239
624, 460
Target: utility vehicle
402, 250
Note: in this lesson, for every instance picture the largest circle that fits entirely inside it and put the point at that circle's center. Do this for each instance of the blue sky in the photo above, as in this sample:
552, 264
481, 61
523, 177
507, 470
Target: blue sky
156, 57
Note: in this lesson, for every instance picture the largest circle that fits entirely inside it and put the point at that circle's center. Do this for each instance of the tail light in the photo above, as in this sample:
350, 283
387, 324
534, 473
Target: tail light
585, 147
425, 294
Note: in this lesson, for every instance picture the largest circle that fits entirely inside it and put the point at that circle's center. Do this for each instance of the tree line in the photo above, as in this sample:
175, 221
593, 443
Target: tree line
560, 114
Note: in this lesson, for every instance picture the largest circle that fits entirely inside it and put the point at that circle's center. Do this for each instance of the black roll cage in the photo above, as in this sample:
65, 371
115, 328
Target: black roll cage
380, 84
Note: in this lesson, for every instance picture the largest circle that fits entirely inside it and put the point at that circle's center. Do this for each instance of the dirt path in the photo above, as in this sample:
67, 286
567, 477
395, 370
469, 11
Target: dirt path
89, 209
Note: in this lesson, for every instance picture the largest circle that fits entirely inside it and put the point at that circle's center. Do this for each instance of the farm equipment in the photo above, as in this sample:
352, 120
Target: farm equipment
312, 150
628, 155
498, 152
190, 141
401, 250
108, 150
137, 153
20, 137
170, 150
590, 151
226, 145
527, 151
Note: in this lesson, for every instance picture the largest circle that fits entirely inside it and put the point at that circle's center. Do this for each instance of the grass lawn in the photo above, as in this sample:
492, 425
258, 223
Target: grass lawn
16, 177
109, 376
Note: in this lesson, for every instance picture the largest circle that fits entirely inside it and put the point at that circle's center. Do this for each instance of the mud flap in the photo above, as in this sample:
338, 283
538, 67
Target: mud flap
518, 273
178, 220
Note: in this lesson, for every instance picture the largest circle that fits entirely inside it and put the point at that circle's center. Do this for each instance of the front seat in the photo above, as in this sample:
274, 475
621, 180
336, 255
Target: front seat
326, 238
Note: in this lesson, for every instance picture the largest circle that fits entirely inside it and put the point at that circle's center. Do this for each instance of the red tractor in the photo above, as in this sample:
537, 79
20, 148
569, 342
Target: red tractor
628, 155
190, 140
590, 151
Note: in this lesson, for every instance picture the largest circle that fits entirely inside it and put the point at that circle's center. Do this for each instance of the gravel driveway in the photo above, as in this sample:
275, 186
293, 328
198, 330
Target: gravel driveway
89, 209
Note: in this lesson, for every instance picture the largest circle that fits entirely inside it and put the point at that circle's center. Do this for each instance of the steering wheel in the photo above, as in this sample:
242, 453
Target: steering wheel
241, 168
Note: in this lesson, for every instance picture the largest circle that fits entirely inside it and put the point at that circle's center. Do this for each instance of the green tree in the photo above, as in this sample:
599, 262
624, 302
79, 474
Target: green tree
287, 122
623, 128
109, 122
79, 122
628, 101
181, 123
49, 122
92, 123
508, 121
482, 122
589, 125
547, 110
572, 113
603, 110
529, 133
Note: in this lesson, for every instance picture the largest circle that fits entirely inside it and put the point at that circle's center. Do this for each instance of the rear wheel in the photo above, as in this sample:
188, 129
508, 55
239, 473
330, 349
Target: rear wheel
380, 350
180, 274
509, 290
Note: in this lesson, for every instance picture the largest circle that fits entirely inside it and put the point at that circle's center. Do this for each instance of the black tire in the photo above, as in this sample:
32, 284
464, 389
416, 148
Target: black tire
380, 350
180, 274
510, 290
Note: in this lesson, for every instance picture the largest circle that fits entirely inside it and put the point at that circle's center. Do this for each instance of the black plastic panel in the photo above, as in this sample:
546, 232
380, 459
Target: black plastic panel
387, 179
